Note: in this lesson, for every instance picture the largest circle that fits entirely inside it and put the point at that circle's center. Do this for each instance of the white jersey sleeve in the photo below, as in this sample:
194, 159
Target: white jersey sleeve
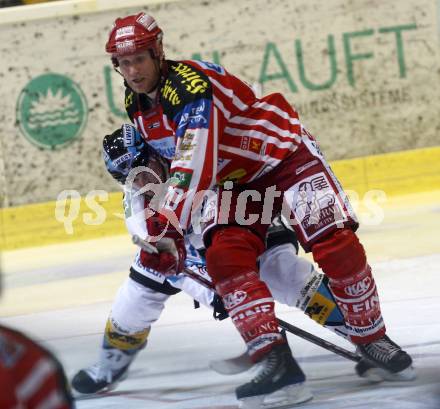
134, 210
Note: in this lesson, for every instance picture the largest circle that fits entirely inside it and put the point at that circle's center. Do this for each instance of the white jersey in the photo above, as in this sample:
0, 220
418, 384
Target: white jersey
134, 205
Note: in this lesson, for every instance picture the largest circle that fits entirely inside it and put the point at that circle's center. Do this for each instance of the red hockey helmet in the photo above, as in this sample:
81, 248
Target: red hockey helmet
132, 34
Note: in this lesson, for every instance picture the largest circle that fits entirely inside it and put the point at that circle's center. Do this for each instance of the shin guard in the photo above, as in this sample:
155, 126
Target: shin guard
251, 308
117, 338
231, 262
342, 258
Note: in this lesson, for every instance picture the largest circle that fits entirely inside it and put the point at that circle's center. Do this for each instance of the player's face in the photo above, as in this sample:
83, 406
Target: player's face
154, 174
140, 70
150, 180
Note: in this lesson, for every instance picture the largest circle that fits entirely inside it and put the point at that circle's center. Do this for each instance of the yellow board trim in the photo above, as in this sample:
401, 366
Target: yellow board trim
36, 225
395, 173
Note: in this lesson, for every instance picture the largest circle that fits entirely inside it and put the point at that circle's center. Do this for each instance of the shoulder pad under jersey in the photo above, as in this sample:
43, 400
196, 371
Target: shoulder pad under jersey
183, 85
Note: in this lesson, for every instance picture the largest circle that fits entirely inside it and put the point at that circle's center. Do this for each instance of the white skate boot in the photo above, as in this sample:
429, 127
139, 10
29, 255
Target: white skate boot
105, 375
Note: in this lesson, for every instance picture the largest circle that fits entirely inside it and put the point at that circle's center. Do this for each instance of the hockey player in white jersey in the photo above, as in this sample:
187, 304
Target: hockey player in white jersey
140, 300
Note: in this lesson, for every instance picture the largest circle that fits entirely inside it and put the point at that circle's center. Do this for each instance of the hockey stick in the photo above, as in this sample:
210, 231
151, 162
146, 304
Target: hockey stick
345, 353
291, 328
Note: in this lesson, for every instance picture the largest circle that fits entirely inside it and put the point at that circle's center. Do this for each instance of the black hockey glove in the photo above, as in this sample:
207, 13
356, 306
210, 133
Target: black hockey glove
220, 312
278, 233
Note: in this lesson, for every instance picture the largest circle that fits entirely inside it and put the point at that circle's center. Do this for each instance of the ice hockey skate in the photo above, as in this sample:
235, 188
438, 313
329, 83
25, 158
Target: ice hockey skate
384, 360
105, 375
365, 369
280, 382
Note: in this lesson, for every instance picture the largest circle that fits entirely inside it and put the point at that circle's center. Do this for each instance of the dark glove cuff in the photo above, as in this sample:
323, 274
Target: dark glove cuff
220, 312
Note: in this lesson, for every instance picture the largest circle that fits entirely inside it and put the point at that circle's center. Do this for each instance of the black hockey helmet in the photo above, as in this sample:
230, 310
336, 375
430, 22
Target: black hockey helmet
124, 150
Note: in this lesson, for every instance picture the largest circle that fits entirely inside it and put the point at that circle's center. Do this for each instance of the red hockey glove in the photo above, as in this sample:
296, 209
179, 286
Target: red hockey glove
170, 245
169, 260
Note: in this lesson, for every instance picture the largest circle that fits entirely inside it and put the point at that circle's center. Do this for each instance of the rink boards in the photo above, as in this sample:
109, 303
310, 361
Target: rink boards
66, 221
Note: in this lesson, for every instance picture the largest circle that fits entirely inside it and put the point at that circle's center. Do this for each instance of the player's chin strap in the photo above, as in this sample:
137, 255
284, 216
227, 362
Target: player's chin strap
162, 70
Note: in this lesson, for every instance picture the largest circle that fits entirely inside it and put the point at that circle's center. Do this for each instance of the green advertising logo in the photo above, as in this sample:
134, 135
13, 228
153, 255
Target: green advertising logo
51, 111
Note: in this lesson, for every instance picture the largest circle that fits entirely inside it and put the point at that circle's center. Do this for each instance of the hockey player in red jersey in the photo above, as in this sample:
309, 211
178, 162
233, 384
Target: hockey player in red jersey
30, 376
261, 159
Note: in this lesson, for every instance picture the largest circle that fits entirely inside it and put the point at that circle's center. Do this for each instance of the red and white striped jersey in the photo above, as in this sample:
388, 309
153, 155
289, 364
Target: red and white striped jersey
30, 377
220, 130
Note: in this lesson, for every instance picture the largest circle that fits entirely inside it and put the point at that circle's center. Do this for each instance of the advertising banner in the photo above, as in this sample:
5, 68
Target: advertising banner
364, 76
